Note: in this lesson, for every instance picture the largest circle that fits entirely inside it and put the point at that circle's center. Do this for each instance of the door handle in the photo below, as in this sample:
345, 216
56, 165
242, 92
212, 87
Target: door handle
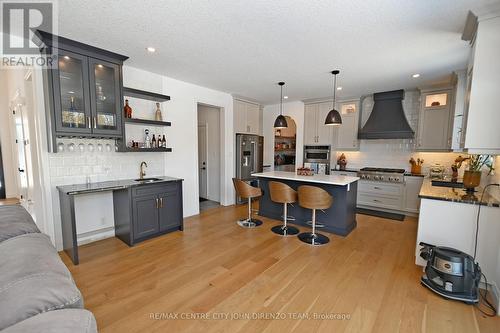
157, 204
89, 122
20, 170
161, 202
95, 122
203, 168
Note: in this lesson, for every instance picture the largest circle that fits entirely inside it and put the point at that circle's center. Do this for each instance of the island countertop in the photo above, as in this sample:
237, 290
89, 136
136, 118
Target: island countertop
321, 179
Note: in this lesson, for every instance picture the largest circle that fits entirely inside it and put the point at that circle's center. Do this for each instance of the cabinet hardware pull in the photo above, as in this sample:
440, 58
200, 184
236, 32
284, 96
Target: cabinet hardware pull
89, 122
375, 200
157, 205
376, 187
161, 202
95, 122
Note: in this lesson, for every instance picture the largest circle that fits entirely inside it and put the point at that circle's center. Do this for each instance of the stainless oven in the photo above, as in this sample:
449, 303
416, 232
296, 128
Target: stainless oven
318, 158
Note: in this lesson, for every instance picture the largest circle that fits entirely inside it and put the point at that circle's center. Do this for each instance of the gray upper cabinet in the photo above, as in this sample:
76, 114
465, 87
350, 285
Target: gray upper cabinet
83, 89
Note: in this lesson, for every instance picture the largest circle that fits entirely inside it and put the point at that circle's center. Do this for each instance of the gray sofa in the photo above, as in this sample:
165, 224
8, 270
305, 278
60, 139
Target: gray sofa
37, 291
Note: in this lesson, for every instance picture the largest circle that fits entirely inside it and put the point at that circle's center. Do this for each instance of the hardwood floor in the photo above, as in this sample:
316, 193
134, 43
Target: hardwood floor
9, 201
216, 267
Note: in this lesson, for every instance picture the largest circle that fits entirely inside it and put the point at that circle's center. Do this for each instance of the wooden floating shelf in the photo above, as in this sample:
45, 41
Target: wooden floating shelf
131, 92
148, 122
145, 150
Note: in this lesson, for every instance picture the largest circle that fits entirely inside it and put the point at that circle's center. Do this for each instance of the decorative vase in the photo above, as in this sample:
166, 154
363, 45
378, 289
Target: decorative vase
471, 180
127, 110
158, 112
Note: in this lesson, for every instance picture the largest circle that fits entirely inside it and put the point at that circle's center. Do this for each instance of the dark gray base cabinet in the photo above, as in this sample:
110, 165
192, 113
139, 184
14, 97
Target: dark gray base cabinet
148, 211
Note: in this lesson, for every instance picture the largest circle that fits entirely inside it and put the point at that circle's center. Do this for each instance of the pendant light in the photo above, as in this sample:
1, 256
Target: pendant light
333, 117
280, 121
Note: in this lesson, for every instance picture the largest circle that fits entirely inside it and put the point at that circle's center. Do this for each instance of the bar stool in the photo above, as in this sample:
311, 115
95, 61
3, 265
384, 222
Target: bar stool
284, 194
313, 197
248, 192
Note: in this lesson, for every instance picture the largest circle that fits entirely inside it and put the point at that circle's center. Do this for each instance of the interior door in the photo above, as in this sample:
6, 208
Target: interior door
22, 165
105, 97
202, 160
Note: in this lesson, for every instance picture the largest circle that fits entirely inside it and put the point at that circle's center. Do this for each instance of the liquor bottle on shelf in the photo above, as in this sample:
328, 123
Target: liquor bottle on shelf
158, 112
147, 139
127, 110
164, 142
153, 142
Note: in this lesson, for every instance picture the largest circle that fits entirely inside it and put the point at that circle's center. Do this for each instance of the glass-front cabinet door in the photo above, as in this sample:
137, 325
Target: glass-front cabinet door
105, 97
71, 103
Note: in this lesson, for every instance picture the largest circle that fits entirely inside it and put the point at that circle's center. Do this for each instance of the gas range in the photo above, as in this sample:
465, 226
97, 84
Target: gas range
382, 175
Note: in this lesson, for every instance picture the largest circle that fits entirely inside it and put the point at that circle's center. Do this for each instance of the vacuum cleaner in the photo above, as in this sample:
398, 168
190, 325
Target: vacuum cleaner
451, 273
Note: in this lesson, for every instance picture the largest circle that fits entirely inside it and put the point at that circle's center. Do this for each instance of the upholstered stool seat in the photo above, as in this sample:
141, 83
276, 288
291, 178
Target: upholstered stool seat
313, 197
284, 194
246, 191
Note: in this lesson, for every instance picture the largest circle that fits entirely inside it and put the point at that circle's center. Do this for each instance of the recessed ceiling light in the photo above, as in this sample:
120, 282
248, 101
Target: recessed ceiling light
415, 75
66, 57
339, 88
100, 66
285, 97
151, 49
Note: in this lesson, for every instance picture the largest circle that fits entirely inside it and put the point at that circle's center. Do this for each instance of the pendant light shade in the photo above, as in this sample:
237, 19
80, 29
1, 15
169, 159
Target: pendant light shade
280, 121
333, 117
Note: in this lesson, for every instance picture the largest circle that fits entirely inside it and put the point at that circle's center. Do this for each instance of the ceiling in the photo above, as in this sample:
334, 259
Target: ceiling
246, 47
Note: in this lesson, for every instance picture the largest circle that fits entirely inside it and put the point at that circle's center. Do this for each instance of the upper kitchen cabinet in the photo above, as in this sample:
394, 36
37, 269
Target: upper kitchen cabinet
247, 117
83, 89
483, 118
435, 120
315, 130
347, 132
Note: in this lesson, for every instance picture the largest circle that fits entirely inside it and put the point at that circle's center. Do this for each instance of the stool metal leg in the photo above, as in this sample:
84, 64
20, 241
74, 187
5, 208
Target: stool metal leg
285, 230
313, 238
249, 222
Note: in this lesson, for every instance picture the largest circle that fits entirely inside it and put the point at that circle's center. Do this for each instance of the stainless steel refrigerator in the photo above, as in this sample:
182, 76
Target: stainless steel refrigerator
249, 158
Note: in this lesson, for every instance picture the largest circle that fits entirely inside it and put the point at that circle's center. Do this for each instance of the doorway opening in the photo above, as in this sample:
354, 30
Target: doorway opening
209, 156
285, 144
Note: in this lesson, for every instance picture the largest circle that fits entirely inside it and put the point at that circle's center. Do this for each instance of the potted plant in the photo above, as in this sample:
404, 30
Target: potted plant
472, 176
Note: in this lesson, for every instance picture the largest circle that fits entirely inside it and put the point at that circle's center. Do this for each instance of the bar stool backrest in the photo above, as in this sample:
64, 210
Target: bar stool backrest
282, 193
245, 190
313, 197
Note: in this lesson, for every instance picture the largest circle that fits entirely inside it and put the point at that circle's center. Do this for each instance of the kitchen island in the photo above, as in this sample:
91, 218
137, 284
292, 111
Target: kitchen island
339, 219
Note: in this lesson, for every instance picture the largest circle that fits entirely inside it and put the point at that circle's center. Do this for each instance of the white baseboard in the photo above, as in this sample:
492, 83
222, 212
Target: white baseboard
96, 235
495, 293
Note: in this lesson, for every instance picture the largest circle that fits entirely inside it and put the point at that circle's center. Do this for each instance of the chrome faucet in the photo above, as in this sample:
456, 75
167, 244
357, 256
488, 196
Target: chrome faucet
143, 172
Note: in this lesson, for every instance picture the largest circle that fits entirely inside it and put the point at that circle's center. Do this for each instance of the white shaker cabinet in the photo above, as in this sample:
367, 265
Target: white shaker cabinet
483, 119
435, 125
412, 189
315, 130
246, 117
347, 132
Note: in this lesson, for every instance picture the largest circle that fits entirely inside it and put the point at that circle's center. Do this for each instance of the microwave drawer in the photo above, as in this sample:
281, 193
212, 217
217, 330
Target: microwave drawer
380, 188
379, 201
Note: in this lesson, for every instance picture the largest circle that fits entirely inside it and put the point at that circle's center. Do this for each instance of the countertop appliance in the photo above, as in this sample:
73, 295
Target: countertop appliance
382, 174
317, 158
451, 273
249, 158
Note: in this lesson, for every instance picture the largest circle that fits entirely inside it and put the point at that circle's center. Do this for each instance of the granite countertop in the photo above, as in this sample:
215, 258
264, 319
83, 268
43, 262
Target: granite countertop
111, 185
317, 178
427, 191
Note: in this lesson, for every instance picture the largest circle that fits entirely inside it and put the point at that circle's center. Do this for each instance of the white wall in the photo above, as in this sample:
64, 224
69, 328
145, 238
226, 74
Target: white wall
296, 111
209, 116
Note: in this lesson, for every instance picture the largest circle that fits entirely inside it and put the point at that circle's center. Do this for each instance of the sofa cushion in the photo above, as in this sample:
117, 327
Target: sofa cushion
15, 221
33, 279
60, 321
